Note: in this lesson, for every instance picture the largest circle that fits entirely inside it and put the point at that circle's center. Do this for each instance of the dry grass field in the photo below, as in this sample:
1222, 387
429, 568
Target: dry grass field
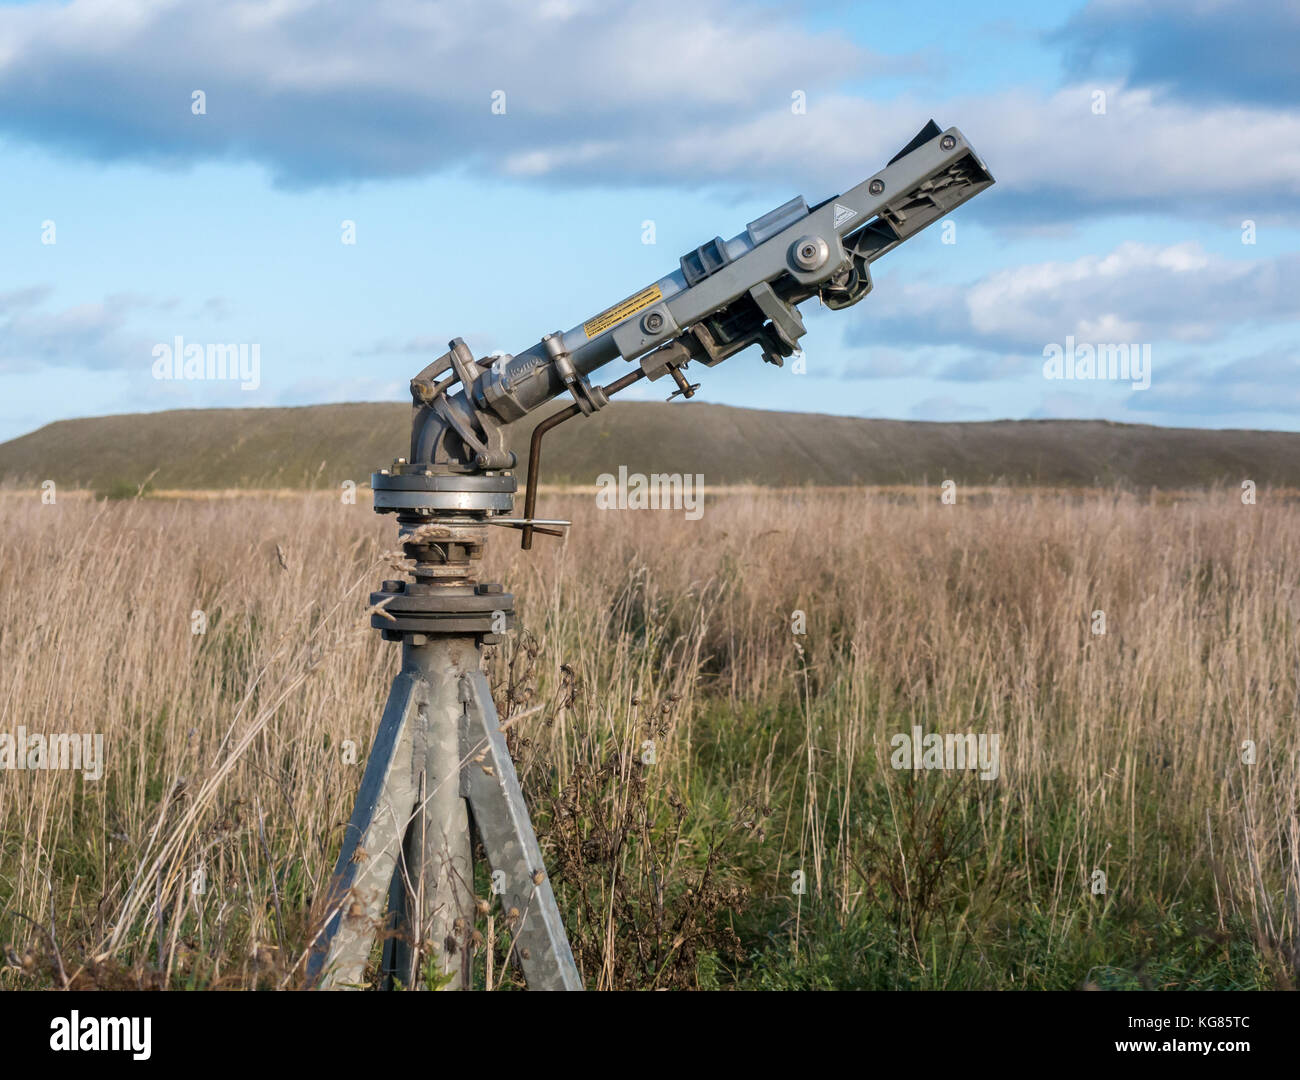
194, 860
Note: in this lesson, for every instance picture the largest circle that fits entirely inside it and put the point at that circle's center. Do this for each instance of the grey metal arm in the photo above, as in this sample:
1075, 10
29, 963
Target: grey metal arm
724, 296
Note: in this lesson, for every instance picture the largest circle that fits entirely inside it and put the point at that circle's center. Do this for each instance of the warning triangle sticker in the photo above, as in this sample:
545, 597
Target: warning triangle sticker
842, 214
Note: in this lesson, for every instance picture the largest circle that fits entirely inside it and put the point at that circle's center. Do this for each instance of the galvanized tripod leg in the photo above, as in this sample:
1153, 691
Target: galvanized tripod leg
408, 838
431, 895
501, 817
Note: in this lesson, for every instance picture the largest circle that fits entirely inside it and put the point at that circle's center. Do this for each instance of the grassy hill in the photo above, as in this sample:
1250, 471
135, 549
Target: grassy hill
321, 445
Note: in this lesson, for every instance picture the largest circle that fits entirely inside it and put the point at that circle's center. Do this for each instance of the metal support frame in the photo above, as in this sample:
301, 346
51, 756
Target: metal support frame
439, 768
439, 763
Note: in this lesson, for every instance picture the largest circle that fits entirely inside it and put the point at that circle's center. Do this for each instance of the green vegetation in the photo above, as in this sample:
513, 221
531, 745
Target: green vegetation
322, 446
714, 791
125, 489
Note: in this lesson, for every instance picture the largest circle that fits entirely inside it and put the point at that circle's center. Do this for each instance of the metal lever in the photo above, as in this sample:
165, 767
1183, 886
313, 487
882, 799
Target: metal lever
535, 452
536, 524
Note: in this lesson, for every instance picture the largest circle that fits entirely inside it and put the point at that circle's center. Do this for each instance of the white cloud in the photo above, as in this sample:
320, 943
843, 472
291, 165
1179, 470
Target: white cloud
1134, 293
678, 92
86, 335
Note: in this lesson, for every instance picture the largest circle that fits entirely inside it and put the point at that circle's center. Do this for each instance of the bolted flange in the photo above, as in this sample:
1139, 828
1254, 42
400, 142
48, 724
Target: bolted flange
417, 488
407, 607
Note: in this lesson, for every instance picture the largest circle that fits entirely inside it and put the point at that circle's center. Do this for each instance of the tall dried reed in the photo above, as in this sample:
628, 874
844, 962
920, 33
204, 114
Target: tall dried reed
694, 758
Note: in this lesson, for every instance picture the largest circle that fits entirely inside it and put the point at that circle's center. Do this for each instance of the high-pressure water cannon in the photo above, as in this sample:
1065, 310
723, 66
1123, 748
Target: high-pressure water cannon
440, 764
725, 296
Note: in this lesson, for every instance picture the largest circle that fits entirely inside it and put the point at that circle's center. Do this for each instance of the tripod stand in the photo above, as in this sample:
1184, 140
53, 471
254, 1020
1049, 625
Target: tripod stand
439, 766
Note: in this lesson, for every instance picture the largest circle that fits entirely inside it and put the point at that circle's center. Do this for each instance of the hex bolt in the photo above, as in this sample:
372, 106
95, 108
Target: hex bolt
947, 142
876, 187
654, 322
809, 252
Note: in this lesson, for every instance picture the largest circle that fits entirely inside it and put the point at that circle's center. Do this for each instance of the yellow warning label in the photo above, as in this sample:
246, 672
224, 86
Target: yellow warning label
621, 311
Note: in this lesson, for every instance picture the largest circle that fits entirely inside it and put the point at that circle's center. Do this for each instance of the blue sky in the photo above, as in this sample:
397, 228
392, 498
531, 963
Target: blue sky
1123, 225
